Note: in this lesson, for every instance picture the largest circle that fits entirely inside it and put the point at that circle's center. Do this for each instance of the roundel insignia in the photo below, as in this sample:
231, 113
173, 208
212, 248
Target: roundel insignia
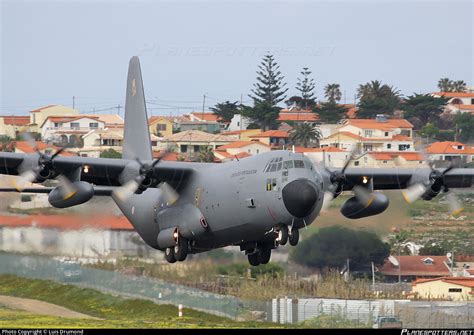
204, 223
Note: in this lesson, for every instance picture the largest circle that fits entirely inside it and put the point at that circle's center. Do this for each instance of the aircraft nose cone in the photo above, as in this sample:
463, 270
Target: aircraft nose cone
299, 197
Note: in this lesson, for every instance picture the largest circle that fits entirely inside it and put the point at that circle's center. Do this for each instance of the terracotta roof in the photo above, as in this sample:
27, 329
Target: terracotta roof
414, 266
207, 116
295, 110
464, 107
323, 149
153, 119
16, 120
351, 110
373, 124
25, 147
345, 133
108, 119
411, 156
447, 147
380, 156
301, 116
168, 156
198, 136
455, 94
240, 144
41, 108
271, 133
462, 281
67, 222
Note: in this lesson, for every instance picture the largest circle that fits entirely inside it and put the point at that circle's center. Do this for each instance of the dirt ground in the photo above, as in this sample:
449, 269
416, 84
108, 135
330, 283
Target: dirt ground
40, 307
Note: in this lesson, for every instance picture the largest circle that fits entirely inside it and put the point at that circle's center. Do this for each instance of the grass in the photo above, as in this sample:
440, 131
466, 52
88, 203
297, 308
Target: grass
116, 312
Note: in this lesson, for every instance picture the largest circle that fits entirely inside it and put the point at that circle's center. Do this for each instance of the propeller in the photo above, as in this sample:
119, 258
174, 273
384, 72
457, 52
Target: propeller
338, 179
432, 187
146, 178
43, 170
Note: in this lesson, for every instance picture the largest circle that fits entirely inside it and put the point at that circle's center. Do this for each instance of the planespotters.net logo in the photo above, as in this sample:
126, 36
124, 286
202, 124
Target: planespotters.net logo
437, 332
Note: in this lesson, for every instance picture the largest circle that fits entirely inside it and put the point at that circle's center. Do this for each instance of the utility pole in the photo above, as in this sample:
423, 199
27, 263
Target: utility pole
118, 109
73, 102
203, 104
373, 277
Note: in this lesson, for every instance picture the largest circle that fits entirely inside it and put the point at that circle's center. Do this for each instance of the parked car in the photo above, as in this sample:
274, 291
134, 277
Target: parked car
69, 271
387, 322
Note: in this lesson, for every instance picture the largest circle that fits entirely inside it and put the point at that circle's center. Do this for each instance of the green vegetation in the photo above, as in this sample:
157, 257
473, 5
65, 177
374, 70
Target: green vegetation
305, 134
377, 98
116, 312
332, 246
448, 85
110, 153
465, 125
226, 110
424, 108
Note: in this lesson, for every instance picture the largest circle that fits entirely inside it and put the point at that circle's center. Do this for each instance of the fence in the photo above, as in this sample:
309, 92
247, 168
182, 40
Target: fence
41, 267
412, 314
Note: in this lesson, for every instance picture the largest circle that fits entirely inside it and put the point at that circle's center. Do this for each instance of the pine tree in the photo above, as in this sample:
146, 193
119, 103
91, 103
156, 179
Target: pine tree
270, 85
306, 86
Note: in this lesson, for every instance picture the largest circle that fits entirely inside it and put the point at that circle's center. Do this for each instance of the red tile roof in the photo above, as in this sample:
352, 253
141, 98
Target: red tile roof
16, 120
401, 138
449, 147
462, 281
271, 133
67, 222
323, 149
381, 156
411, 156
299, 116
207, 116
25, 147
61, 119
41, 108
455, 94
374, 124
414, 266
239, 144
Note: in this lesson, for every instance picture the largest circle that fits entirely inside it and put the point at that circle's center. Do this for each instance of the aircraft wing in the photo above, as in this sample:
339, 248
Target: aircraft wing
97, 171
400, 178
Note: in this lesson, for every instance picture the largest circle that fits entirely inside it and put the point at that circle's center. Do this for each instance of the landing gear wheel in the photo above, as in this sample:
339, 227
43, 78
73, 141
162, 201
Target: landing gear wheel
264, 254
294, 237
283, 235
181, 249
254, 259
169, 255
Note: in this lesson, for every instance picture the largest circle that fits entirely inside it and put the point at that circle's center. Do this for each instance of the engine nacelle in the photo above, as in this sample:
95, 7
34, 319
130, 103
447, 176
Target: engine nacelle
187, 219
84, 192
353, 209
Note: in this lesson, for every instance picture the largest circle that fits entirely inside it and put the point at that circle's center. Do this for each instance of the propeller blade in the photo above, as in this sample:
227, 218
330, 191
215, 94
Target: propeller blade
66, 188
455, 206
30, 140
126, 190
363, 195
413, 192
59, 151
23, 180
169, 194
328, 197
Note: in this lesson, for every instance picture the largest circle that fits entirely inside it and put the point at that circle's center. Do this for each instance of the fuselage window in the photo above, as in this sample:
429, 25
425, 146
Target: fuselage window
288, 164
299, 164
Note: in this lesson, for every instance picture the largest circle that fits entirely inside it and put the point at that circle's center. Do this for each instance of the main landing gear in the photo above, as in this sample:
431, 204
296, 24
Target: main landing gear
261, 255
179, 252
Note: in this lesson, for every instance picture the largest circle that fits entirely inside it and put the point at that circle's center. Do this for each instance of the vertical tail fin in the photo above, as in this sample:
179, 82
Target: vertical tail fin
136, 141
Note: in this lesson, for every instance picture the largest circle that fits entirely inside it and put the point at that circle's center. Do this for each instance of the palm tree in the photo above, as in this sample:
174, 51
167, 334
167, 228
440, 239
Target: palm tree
332, 92
304, 134
206, 154
458, 86
444, 84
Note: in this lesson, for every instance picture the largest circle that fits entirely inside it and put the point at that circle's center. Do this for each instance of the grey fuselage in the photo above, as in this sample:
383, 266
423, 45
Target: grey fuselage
241, 201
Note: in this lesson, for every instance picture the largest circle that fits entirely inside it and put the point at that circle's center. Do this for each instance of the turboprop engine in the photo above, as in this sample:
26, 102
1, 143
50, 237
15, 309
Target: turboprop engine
360, 207
71, 194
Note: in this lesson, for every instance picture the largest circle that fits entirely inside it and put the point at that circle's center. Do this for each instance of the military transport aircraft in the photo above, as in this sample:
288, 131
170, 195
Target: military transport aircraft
257, 203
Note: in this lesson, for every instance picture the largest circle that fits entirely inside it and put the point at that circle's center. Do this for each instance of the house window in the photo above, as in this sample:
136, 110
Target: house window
385, 162
368, 133
459, 147
238, 124
161, 127
196, 148
258, 151
368, 147
472, 101
56, 125
366, 159
386, 133
356, 163
389, 146
428, 261
403, 147
75, 125
94, 125
454, 290
184, 148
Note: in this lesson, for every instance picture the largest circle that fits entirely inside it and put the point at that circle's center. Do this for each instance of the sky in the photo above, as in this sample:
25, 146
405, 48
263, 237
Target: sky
52, 51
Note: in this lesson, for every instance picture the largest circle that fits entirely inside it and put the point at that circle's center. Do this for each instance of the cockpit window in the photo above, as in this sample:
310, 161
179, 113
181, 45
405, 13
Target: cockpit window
299, 164
308, 165
288, 164
273, 167
279, 166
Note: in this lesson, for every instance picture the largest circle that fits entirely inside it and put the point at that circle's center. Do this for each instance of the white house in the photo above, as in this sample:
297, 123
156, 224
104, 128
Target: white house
238, 122
68, 130
449, 151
